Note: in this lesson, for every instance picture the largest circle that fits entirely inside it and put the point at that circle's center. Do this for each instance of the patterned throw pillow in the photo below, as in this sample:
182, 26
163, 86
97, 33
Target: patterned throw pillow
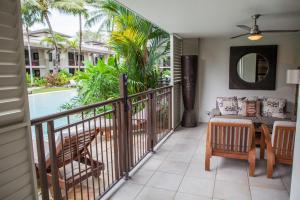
251, 108
241, 106
227, 105
274, 107
253, 98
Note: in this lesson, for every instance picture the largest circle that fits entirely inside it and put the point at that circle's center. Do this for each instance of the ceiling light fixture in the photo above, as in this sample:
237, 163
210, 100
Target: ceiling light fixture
255, 36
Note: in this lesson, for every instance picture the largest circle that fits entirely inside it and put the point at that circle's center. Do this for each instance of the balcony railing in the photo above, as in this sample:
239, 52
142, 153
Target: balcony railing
82, 153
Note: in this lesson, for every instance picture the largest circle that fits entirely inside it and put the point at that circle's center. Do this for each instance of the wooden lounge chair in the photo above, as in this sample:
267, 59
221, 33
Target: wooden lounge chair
280, 146
231, 138
72, 149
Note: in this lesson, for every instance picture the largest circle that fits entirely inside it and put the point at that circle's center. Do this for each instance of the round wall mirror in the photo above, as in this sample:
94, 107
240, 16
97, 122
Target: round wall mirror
252, 67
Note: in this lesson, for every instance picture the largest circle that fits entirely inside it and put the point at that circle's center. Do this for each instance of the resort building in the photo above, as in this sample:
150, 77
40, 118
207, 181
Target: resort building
227, 127
42, 54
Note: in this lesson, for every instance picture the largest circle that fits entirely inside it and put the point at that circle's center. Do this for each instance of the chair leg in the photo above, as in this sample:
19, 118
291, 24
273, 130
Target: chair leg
251, 162
207, 162
270, 168
262, 146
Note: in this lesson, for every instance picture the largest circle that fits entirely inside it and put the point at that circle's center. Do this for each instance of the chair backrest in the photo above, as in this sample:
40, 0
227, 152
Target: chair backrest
283, 139
72, 147
231, 135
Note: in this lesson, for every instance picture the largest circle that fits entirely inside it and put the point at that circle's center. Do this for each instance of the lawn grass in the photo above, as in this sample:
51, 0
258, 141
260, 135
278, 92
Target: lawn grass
50, 89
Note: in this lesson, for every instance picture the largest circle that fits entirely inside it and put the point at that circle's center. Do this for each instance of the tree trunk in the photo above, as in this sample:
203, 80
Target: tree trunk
80, 41
29, 56
56, 60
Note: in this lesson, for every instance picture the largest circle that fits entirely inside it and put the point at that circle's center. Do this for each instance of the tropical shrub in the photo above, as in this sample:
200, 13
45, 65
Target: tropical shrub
166, 74
28, 80
57, 79
138, 42
98, 83
37, 81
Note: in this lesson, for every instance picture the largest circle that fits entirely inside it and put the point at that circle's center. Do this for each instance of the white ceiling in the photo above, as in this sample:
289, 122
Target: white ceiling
213, 18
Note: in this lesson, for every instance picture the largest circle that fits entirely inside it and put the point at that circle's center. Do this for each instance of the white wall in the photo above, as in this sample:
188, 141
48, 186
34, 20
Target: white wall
213, 71
295, 192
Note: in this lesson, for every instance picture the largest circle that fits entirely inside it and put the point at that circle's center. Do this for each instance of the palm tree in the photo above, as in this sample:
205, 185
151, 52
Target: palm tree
75, 7
73, 44
139, 42
44, 7
30, 16
56, 41
101, 16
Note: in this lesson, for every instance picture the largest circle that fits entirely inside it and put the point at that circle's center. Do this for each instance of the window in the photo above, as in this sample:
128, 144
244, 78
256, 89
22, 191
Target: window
98, 57
72, 71
50, 56
36, 73
26, 57
35, 56
71, 59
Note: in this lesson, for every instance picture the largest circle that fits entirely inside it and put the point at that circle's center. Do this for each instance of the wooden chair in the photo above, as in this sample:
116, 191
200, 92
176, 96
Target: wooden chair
231, 138
280, 146
75, 147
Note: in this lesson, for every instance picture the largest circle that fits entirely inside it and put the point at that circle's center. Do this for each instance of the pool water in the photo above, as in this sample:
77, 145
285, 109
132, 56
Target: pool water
49, 103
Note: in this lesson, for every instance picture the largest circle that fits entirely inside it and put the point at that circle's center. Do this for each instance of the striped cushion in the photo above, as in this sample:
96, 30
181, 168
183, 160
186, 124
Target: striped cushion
230, 120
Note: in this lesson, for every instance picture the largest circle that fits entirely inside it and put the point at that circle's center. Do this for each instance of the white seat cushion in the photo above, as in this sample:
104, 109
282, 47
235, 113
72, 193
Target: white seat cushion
281, 123
234, 121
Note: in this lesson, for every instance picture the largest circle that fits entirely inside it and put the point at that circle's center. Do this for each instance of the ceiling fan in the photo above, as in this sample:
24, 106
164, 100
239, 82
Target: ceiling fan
255, 33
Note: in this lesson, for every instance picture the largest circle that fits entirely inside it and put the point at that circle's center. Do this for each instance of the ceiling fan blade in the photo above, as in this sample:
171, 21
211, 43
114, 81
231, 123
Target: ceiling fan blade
279, 31
239, 35
247, 28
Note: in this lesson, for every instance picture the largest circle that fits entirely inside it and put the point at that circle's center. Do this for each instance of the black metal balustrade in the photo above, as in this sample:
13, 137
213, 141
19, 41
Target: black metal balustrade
82, 153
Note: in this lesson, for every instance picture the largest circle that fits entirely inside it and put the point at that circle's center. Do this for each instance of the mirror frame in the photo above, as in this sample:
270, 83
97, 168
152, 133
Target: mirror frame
237, 52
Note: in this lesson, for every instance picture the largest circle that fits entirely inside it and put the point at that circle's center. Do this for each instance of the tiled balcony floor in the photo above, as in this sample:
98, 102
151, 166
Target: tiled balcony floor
177, 172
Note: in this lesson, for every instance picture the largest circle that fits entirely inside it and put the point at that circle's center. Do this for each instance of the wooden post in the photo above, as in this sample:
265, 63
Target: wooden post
42, 173
54, 168
124, 125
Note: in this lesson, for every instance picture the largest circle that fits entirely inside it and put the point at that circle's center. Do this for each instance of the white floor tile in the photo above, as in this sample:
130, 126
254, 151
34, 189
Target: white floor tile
234, 175
268, 194
165, 181
185, 196
152, 164
149, 193
173, 167
231, 191
197, 186
260, 179
182, 157
198, 171
142, 176
127, 192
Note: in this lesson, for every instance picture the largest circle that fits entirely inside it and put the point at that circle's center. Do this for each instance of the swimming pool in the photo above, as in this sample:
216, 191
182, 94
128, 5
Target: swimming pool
49, 103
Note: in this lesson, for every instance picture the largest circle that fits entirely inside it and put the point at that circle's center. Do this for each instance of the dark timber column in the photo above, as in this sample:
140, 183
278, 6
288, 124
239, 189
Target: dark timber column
189, 65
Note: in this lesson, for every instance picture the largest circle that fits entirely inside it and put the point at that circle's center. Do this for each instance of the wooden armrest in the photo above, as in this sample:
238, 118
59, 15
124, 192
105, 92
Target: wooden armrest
267, 134
270, 151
